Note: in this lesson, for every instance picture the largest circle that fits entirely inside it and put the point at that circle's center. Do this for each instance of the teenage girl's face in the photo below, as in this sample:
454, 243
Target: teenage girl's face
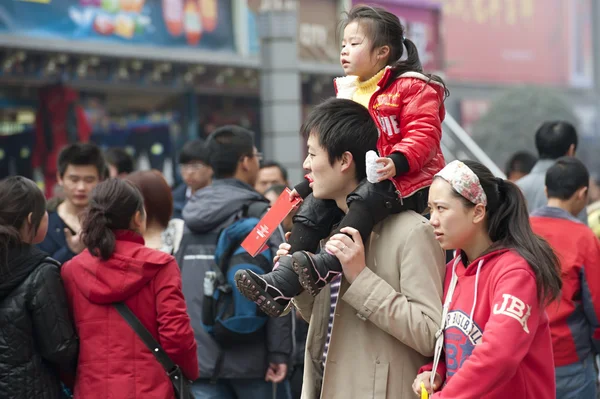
454, 224
357, 56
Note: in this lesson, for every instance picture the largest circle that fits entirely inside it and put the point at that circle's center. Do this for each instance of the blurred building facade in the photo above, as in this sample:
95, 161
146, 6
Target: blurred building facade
149, 74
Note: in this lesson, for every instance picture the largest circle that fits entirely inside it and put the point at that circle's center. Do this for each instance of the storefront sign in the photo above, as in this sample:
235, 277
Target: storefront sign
514, 41
205, 24
318, 34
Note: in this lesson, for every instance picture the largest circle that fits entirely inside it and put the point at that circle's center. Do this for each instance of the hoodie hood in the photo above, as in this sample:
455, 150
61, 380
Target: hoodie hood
214, 206
22, 260
471, 269
130, 268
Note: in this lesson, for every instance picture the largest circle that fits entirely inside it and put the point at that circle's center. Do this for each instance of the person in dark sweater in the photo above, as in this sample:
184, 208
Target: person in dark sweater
196, 173
37, 337
80, 168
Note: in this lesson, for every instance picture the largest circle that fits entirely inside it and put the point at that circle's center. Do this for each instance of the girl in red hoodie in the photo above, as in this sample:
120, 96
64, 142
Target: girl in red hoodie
385, 75
494, 330
118, 267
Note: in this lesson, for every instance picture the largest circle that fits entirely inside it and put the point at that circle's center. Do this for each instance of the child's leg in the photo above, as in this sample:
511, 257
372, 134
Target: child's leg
273, 291
368, 205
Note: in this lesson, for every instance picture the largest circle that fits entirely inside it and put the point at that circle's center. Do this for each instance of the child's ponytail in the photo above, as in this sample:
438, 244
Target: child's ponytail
385, 29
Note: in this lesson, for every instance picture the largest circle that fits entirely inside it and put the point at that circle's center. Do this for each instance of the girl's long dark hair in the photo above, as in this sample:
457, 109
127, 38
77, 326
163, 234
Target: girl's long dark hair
508, 227
113, 204
385, 29
19, 197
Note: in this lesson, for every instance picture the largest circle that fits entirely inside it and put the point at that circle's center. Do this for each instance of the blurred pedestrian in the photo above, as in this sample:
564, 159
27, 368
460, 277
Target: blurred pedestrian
162, 232
80, 168
270, 173
519, 165
37, 338
196, 172
553, 140
120, 162
574, 317
117, 267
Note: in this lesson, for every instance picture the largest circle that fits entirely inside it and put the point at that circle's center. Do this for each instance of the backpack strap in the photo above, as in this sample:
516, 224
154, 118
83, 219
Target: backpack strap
256, 209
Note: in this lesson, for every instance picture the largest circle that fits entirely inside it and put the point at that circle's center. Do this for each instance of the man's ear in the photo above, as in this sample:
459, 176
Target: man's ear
582, 193
346, 161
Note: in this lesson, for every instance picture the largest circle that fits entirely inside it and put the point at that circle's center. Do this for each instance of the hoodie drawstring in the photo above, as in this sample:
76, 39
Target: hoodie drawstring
476, 285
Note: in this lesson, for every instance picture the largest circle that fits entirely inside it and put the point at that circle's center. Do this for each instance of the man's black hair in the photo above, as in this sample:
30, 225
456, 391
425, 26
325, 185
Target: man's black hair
120, 159
226, 147
521, 161
343, 125
194, 151
553, 139
565, 177
82, 154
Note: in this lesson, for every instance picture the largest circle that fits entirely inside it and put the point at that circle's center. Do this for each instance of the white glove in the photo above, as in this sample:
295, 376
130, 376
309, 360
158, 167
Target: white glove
372, 166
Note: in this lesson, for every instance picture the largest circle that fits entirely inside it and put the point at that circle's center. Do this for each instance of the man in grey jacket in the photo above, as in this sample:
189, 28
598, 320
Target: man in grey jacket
246, 370
553, 140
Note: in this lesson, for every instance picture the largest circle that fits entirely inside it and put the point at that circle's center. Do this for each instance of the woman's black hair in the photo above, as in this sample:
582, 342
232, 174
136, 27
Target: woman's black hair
19, 197
508, 227
385, 29
113, 204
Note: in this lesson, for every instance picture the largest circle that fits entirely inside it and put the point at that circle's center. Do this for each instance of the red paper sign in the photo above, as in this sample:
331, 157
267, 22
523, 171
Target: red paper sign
256, 240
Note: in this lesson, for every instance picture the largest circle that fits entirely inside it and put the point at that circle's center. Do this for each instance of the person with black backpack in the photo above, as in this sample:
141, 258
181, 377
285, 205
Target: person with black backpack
242, 352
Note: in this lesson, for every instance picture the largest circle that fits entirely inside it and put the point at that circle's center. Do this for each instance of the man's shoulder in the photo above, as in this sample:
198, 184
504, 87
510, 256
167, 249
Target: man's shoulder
405, 223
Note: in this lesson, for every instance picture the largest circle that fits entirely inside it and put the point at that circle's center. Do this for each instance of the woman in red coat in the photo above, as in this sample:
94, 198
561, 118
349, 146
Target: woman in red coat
115, 267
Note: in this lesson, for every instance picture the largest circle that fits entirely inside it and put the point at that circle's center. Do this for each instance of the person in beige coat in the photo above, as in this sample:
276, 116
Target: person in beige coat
370, 337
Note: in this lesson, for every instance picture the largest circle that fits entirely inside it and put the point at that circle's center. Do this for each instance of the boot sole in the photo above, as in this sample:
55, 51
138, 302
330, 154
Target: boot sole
254, 292
301, 263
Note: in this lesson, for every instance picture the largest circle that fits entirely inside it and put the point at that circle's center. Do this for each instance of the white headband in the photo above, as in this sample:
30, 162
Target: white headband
464, 181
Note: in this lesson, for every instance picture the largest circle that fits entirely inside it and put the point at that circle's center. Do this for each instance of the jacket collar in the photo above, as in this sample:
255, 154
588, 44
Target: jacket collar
542, 165
129, 235
347, 85
232, 182
554, 212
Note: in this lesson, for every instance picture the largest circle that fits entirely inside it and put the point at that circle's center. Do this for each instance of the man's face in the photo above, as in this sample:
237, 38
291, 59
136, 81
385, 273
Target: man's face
196, 174
251, 166
328, 181
78, 183
268, 177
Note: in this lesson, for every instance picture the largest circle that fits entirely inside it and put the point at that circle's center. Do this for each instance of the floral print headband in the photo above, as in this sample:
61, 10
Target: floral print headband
464, 181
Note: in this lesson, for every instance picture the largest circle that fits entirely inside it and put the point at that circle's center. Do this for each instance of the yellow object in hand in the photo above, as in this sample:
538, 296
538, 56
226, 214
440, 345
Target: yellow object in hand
424, 393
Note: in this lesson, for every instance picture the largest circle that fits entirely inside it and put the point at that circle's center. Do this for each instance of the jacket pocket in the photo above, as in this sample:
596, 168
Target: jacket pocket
381, 379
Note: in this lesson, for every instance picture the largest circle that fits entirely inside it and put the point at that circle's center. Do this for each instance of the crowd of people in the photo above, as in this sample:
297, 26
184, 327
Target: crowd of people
119, 276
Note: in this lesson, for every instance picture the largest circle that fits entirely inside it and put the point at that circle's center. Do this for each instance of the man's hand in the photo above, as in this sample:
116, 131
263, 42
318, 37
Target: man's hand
350, 252
276, 372
387, 170
74, 241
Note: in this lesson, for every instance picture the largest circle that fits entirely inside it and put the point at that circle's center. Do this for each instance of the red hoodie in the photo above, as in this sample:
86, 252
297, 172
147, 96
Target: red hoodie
497, 341
113, 361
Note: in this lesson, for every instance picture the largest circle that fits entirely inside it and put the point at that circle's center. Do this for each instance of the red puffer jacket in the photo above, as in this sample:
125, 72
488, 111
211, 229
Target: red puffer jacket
409, 115
113, 360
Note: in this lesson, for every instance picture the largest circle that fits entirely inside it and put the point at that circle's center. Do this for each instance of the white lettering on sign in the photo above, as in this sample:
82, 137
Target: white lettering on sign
313, 35
263, 231
278, 5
